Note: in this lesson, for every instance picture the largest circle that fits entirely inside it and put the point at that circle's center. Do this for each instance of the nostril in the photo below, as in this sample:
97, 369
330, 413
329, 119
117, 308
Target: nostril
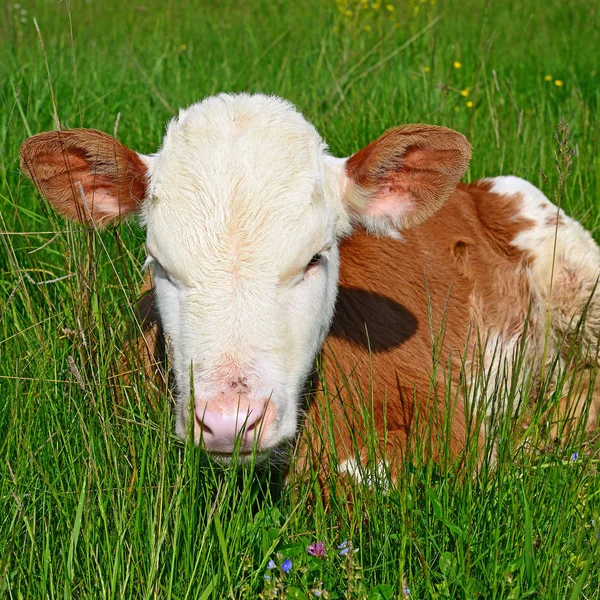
201, 420
253, 418
206, 430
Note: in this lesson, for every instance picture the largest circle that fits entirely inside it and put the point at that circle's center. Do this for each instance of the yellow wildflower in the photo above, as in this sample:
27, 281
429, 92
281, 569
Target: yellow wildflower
465, 92
548, 77
558, 83
457, 65
389, 7
182, 47
456, 109
375, 6
367, 28
469, 104
427, 69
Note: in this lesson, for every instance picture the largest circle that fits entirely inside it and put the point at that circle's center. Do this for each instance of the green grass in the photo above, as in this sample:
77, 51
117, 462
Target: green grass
98, 499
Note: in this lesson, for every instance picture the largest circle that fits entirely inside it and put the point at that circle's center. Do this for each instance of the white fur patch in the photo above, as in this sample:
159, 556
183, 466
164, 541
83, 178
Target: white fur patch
363, 476
554, 239
394, 234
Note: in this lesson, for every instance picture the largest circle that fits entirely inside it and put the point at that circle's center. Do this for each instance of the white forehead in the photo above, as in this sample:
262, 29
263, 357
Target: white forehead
235, 165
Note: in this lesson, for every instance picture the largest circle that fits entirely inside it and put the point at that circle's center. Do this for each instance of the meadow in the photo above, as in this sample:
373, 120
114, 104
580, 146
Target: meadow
98, 499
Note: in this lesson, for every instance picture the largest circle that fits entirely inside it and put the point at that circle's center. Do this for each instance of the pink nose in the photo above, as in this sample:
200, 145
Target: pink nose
220, 431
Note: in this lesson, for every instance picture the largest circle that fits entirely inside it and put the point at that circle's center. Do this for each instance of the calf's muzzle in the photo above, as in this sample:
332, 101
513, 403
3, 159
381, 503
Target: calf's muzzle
220, 428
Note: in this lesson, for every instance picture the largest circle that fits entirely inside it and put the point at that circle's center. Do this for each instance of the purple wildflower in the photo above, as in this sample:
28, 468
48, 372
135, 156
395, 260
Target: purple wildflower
406, 591
317, 549
267, 577
345, 548
574, 456
271, 564
286, 566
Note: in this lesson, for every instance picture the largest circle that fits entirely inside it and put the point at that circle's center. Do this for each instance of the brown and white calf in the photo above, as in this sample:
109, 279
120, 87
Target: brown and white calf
263, 246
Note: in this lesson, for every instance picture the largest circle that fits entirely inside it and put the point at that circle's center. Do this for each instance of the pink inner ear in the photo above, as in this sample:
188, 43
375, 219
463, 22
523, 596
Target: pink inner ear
389, 203
105, 204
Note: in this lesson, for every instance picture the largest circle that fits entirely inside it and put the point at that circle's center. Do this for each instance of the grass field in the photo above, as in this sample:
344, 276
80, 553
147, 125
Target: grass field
98, 499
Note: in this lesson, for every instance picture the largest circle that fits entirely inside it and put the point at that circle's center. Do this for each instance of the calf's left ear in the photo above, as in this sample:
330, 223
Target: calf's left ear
86, 175
404, 176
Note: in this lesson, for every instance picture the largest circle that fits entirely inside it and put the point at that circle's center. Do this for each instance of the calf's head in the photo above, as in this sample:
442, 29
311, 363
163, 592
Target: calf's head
244, 209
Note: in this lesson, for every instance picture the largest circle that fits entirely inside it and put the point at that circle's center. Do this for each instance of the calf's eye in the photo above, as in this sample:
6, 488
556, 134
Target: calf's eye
315, 260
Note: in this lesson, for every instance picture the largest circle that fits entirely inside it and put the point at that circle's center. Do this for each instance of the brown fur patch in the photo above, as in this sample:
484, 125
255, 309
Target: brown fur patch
146, 353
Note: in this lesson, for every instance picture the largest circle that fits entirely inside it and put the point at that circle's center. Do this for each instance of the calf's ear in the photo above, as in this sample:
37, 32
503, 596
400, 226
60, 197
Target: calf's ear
86, 175
405, 176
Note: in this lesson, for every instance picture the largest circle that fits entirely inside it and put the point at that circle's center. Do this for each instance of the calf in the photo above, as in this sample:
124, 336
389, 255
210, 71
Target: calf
254, 230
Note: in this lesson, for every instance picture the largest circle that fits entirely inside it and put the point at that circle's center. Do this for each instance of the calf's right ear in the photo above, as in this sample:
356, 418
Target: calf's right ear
86, 175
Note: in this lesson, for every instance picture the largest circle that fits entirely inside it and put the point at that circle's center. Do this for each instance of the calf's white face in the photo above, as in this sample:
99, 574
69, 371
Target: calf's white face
244, 210
242, 229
